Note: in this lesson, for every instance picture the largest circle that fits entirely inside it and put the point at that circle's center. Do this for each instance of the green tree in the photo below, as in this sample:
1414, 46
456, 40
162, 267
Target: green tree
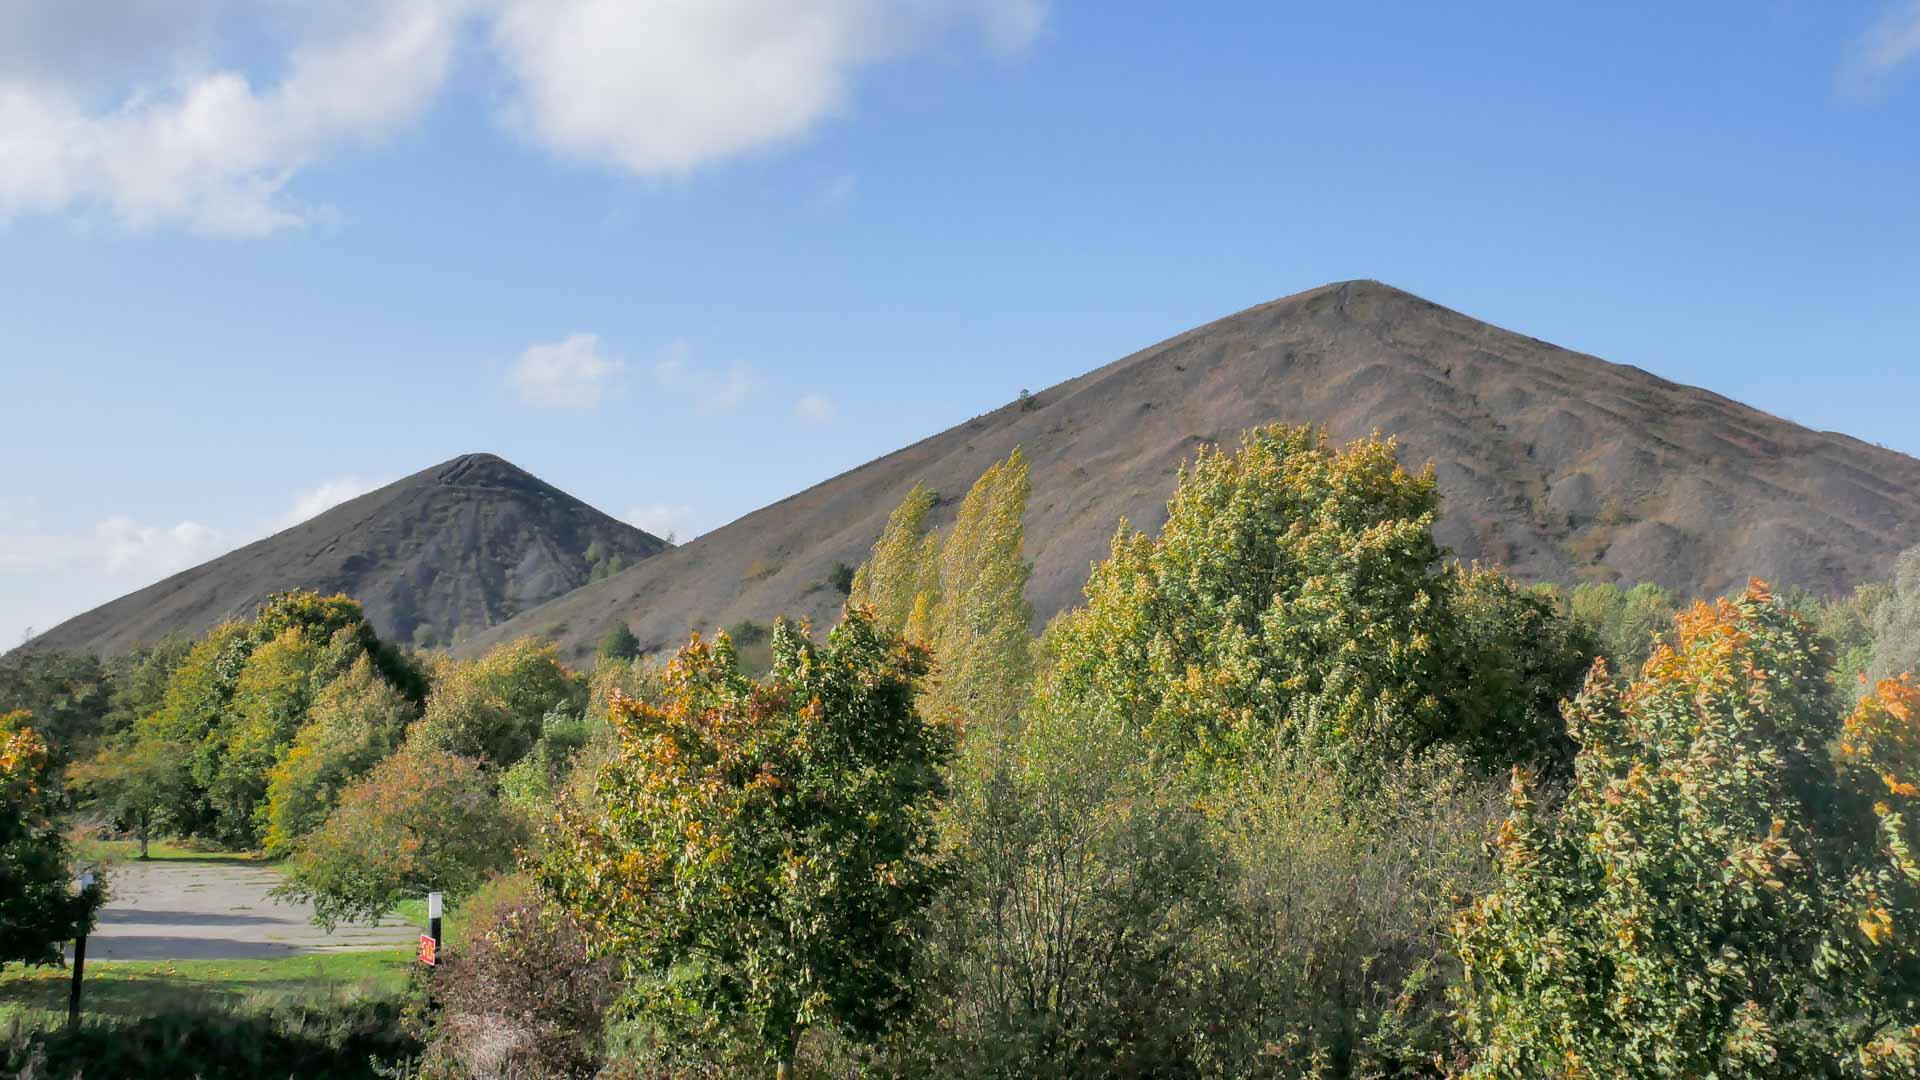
1896, 623
268, 707
68, 693
1294, 599
423, 820
38, 907
234, 703
354, 723
982, 637
759, 852
142, 784
1520, 658
1625, 624
490, 709
619, 643
1718, 895
139, 682
902, 574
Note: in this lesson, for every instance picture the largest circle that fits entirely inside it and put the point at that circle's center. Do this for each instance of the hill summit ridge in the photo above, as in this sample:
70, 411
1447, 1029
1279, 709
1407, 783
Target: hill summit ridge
1556, 464
434, 558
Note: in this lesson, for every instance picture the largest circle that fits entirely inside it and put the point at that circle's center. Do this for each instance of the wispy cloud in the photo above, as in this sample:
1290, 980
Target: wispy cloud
49, 574
569, 374
669, 521
814, 408
1889, 45
311, 502
709, 389
838, 191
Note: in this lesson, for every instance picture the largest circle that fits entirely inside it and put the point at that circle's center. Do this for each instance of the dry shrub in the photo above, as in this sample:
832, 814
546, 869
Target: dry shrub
517, 993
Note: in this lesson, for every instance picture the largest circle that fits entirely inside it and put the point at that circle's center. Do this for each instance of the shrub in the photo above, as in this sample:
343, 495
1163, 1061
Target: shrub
520, 995
490, 709
1625, 624
1063, 948
619, 643
840, 579
350, 1040
424, 820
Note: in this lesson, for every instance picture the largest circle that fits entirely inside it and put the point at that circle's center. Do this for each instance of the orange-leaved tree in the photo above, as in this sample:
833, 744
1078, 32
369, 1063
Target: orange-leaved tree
1728, 888
758, 851
38, 909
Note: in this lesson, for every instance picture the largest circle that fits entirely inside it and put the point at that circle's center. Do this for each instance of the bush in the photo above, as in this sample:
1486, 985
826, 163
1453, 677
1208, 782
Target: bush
490, 709
520, 995
335, 1041
422, 821
1625, 624
1331, 956
1063, 949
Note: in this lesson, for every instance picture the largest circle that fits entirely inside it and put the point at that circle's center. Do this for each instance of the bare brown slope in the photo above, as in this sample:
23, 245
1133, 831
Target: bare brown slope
1559, 465
435, 558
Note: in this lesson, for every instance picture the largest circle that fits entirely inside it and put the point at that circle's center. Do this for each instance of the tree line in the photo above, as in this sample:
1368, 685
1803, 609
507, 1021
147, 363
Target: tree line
1289, 793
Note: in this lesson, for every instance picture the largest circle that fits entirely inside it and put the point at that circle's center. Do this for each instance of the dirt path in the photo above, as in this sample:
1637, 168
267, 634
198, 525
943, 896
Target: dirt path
212, 910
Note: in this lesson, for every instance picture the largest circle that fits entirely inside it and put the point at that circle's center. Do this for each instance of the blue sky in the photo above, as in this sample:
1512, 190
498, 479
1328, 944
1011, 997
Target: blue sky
684, 258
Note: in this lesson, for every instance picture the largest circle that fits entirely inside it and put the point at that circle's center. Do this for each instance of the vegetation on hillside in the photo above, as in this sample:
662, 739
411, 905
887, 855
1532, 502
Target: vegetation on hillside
1291, 793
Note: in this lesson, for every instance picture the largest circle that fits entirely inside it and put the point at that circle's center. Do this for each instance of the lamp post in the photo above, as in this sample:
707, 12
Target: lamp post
79, 954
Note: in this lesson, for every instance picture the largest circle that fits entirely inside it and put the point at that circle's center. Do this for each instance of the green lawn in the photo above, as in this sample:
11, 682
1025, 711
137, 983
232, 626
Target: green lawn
110, 851
130, 989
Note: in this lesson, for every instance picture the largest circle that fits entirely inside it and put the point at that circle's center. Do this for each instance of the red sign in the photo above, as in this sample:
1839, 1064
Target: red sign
428, 949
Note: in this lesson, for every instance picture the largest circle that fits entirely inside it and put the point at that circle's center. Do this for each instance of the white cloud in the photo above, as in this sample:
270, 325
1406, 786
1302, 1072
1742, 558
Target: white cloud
1888, 46
311, 502
710, 389
129, 548
50, 574
211, 149
673, 522
125, 106
667, 85
817, 408
569, 374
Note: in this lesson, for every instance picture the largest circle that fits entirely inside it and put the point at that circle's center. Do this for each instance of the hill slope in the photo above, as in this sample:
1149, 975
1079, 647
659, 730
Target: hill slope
1559, 465
434, 558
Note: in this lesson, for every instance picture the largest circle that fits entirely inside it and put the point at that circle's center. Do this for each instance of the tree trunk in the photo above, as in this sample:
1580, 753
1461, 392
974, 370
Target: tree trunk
782, 1071
143, 843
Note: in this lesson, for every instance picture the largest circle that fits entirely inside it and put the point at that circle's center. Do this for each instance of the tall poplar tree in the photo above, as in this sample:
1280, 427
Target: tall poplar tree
982, 642
902, 577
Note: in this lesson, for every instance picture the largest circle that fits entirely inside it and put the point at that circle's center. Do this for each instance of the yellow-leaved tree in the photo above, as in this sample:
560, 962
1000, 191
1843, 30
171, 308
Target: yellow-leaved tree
1728, 889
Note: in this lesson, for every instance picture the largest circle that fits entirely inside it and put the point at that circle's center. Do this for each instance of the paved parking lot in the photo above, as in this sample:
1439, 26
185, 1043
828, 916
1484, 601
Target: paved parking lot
180, 910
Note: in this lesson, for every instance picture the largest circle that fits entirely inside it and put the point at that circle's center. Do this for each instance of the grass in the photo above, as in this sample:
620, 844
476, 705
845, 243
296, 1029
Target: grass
131, 989
335, 1015
112, 851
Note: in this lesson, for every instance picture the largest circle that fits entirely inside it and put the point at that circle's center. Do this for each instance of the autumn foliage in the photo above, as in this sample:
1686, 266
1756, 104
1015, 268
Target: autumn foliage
38, 907
759, 851
1728, 888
